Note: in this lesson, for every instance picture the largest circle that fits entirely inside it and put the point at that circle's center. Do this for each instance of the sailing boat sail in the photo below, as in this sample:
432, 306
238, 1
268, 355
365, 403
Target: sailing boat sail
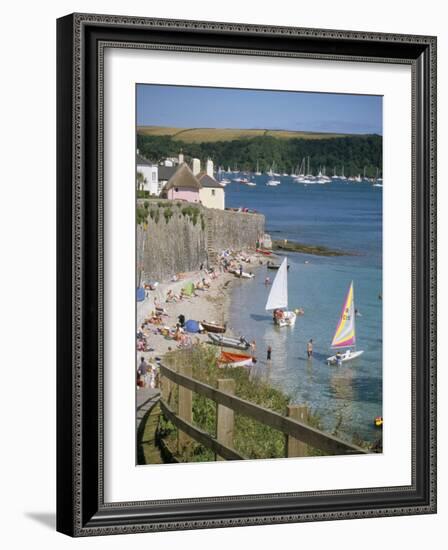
278, 298
272, 182
345, 333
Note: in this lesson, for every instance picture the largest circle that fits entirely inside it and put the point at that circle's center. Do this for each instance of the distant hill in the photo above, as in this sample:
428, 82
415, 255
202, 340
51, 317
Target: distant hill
202, 135
263, 149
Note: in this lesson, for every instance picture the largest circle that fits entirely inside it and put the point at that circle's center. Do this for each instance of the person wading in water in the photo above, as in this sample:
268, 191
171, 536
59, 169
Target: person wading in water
309, 348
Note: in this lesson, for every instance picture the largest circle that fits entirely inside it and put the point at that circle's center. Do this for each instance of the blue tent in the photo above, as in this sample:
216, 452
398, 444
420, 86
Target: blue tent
192, 326
140, 294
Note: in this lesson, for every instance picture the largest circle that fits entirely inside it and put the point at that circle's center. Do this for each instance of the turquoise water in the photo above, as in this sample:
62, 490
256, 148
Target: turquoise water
339, 215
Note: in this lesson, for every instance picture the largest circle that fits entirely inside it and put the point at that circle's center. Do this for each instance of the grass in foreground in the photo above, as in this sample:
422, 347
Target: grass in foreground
252, 439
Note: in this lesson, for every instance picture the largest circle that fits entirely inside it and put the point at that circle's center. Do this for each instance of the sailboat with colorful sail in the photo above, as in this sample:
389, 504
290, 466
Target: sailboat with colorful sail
278, 298
345, 335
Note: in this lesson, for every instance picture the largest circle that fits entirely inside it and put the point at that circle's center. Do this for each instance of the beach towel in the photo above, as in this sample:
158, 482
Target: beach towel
188, 289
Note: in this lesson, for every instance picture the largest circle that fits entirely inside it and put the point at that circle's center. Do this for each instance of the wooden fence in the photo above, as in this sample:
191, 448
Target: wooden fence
298, 434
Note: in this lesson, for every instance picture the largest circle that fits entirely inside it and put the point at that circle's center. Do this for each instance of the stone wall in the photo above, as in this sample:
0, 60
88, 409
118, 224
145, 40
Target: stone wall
235, 230
179, 237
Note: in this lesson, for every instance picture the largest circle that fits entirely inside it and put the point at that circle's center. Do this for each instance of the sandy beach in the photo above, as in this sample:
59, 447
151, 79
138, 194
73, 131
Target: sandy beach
211, 304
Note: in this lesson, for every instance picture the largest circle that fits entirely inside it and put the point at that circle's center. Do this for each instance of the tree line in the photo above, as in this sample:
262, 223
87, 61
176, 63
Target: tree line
353, 154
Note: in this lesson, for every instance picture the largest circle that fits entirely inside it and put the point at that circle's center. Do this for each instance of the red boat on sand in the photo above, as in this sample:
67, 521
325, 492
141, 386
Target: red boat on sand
228, 359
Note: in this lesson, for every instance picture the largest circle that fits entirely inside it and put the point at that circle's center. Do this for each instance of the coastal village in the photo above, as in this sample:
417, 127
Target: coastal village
191, 252
175, 180
187, 305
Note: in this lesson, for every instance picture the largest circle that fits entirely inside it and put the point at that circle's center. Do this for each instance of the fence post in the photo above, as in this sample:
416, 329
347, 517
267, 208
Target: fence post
166, 389
225, 416
294, 446
185, 408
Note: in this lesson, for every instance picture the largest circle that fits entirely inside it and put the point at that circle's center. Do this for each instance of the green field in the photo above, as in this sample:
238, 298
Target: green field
201, 135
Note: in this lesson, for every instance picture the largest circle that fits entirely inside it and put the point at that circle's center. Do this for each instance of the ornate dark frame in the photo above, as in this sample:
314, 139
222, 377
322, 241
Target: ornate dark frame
81, 39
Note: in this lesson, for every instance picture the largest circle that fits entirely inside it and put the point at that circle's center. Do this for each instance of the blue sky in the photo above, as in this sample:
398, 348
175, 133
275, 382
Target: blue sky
192, 107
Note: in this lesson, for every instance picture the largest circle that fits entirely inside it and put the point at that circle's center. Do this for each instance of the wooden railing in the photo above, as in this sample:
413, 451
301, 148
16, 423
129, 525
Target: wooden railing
299, 435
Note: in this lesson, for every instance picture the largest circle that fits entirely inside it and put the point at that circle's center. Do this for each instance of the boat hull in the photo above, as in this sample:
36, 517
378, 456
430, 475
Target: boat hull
243, 275
288, 320
275, 266
213, 327
226, 342
227, 359
344, 357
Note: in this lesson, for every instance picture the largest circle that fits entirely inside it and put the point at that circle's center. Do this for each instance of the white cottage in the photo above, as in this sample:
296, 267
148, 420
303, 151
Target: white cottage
148, 181
211, 192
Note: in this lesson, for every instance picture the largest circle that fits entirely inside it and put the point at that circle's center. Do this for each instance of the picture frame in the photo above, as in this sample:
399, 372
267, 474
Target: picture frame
81, 506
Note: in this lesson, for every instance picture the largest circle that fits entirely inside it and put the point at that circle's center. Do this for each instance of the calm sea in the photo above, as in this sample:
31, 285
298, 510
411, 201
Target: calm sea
339, 215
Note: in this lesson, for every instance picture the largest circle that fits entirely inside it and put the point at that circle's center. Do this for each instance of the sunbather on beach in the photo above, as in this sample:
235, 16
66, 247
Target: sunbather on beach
205, 283
178, 334
171, 297
199, 286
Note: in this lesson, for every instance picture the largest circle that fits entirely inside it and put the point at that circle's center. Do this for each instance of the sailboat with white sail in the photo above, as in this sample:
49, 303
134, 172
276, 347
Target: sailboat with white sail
300, 176
271, 181
309, 179
345, 335
378, 181
278, 298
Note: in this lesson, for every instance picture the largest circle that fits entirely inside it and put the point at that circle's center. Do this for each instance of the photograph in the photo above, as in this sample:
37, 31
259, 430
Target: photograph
258, 266
246, 317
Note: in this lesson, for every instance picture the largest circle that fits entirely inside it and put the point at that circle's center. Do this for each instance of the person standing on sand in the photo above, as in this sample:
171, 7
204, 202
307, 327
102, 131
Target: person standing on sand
309, 348
143, 371
269, 353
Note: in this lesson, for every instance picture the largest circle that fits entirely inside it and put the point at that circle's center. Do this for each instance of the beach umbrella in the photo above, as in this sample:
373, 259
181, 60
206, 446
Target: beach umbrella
192, 326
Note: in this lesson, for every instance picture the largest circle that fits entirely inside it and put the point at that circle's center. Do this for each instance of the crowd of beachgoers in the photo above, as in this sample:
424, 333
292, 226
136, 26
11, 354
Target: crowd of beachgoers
170, 315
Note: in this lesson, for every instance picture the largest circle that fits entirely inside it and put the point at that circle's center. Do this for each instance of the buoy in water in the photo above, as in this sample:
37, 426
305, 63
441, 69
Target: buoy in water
378, 421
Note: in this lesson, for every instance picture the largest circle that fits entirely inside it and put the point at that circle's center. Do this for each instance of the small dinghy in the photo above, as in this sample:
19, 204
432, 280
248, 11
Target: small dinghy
345, 334
225, 341
213, 327
227, 359
344, 357
278, 299
270, 265
243, 275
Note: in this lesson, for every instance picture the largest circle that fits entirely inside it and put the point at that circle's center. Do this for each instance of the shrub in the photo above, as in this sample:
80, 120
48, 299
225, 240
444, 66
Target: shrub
167, 212
141, 215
